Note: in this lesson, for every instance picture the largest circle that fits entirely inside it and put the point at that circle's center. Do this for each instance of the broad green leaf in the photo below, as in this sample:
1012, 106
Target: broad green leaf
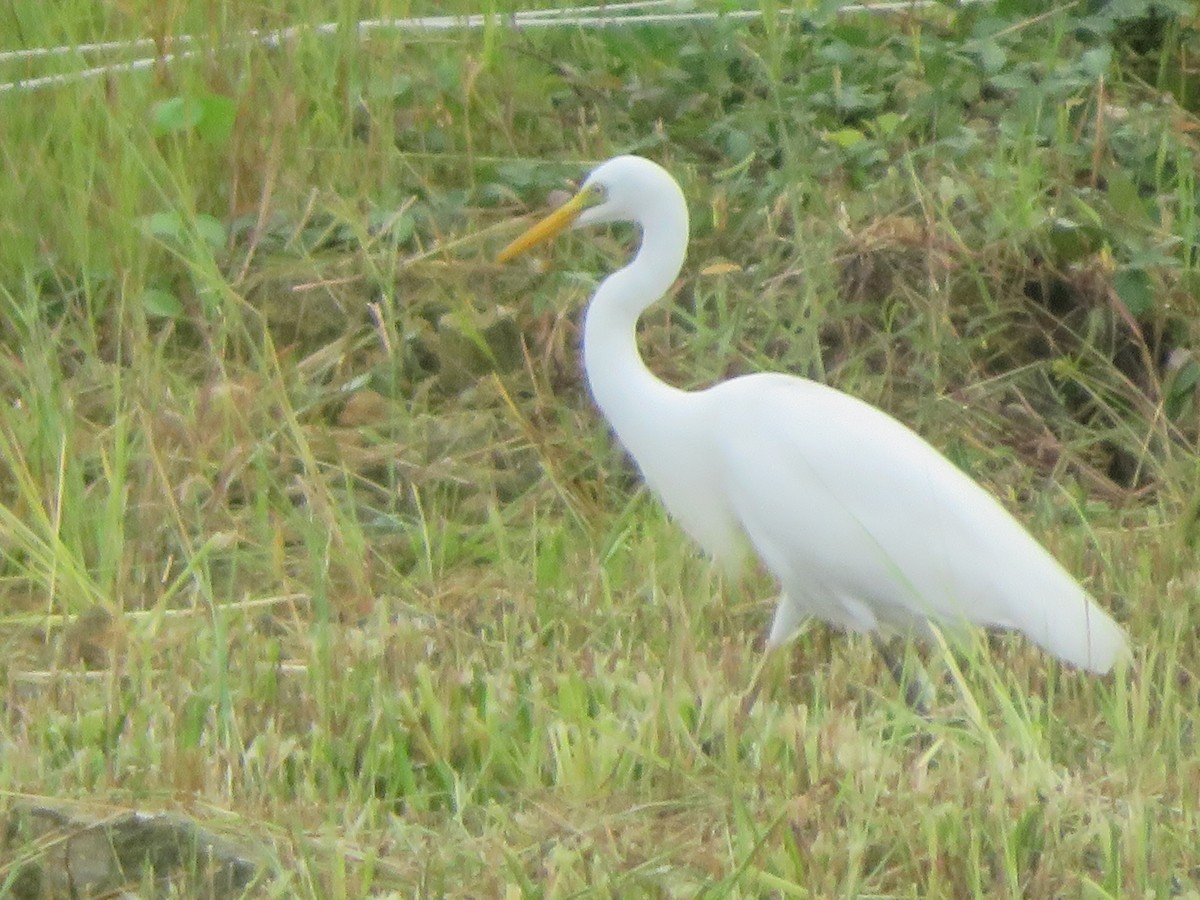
1134, 288
1124, 197
992, 57
211, 116
163, 304
175, 115
163, 225
212, 230
217, 116
886, 123
1095, 62
845, 137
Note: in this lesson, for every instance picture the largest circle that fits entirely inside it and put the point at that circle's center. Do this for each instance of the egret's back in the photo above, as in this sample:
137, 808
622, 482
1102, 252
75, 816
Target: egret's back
868, 527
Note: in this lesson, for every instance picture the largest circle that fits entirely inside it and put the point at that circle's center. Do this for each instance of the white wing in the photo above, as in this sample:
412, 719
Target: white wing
867, 526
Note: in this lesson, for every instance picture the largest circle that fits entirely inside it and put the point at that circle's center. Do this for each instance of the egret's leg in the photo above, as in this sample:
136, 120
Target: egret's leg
787, 620
788, 617
918, 692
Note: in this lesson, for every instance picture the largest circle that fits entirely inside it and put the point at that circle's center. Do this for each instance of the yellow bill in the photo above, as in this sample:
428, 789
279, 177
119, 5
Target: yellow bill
551, 226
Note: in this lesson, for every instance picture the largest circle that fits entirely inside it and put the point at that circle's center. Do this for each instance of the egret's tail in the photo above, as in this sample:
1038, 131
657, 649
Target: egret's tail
1084, 636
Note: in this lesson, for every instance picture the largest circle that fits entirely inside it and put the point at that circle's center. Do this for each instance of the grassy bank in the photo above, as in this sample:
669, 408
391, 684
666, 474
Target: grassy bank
311, 534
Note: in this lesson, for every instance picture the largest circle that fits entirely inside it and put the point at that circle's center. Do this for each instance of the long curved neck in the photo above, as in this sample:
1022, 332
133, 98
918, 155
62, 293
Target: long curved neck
624, 389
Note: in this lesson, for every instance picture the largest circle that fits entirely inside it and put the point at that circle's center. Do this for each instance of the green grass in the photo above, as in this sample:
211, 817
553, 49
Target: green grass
309, 530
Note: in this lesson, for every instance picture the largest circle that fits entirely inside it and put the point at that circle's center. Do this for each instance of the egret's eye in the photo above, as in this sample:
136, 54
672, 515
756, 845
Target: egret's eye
594, 195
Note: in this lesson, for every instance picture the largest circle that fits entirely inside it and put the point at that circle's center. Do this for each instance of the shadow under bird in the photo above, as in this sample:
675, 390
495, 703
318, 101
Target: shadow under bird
865, 525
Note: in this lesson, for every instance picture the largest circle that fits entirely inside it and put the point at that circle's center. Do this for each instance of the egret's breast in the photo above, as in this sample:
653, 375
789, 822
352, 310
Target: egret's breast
691, 492
677, 460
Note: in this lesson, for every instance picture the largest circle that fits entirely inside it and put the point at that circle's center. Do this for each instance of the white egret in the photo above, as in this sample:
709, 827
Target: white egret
865, 525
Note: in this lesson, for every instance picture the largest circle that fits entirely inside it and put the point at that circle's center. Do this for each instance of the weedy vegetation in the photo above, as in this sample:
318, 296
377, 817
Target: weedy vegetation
311, 538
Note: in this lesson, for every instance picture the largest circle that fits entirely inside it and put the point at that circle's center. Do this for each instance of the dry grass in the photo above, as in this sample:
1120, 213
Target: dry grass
336, 559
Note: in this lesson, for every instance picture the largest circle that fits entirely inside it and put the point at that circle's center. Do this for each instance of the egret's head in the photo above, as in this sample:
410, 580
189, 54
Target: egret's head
620, 189
615, 191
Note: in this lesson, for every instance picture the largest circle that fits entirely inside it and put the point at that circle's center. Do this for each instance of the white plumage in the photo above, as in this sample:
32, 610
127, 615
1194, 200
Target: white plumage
863, 523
